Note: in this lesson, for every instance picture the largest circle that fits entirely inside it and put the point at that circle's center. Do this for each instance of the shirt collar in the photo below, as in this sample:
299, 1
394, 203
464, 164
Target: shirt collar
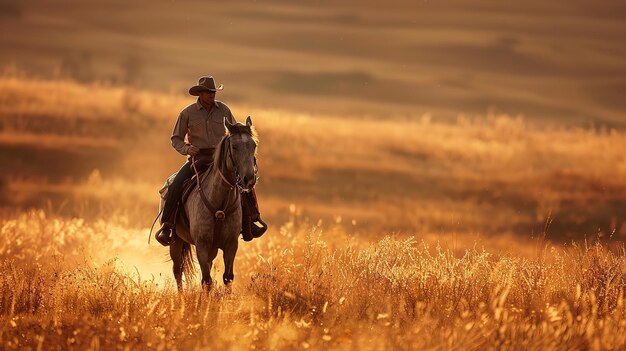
200, 107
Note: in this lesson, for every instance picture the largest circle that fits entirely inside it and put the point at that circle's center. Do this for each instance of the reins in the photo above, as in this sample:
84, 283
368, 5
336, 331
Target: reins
236, 183
219, 215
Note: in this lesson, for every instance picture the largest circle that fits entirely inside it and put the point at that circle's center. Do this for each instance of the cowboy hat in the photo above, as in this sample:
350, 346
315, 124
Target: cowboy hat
204, 84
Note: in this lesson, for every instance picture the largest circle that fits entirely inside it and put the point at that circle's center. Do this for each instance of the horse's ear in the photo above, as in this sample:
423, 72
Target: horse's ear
249, 121
228, 125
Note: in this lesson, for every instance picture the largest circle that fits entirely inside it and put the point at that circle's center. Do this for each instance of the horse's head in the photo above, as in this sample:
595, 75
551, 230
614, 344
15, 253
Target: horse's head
242, 148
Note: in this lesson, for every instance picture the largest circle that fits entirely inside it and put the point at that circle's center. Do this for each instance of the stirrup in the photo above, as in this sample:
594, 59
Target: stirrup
258, 230
164, 234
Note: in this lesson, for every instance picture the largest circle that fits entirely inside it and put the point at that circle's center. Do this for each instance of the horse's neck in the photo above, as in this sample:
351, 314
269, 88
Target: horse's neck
217, 191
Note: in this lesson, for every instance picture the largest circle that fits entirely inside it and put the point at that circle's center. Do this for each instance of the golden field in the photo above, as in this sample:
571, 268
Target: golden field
385, 232
303, 288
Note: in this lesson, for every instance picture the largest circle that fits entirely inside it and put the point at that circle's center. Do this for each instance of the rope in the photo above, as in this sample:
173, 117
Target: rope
153, 223
193, 164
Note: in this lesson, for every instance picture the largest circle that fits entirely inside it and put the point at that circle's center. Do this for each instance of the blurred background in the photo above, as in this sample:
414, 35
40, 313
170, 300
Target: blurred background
560, 61
427, 118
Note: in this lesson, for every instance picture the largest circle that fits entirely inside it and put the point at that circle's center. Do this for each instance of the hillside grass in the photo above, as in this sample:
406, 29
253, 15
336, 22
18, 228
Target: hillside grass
89, 147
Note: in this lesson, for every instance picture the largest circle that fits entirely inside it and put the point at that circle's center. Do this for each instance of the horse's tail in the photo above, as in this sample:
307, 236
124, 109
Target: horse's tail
189, 270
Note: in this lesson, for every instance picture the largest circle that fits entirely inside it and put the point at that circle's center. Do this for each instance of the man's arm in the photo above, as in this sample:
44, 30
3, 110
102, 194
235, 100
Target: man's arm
178, 134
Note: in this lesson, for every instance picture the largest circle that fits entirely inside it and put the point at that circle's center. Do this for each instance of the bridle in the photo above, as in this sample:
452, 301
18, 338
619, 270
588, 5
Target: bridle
237, 182
234, 185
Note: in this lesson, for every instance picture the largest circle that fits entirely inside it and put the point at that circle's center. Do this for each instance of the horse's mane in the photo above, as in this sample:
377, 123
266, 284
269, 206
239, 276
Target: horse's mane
237, 128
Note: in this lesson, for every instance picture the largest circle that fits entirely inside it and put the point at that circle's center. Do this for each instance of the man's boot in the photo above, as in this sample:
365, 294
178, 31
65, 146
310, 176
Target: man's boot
258, 226
164, 234
252, 225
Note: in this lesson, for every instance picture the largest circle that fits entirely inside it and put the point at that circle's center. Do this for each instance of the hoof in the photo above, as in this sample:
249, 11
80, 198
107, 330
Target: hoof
207, 286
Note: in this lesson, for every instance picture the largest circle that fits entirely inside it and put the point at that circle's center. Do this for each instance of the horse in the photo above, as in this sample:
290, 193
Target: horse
213, 208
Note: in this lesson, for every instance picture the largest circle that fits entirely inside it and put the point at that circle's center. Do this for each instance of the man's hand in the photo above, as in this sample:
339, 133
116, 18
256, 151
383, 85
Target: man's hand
192, 150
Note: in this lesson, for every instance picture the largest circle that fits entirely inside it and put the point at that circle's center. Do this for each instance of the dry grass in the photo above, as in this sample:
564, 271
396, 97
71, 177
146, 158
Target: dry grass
303, 288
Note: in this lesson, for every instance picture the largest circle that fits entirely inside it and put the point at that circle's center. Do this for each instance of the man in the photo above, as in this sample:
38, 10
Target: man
203, 124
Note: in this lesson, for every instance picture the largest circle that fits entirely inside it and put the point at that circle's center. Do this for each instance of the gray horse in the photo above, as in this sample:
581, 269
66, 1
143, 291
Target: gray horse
214, 209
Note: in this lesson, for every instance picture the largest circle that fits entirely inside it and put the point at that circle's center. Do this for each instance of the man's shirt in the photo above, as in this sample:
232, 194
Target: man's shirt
204, 129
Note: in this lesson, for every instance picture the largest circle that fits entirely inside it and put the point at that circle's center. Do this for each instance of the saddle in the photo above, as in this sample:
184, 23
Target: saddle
252, 226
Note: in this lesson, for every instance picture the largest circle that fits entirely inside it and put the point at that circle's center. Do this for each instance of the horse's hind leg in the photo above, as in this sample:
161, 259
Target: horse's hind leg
229, 261
206, 254
176, 253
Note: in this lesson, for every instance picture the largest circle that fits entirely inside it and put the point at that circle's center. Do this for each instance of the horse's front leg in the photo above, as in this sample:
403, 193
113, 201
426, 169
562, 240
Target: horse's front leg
206, 254
229, 261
